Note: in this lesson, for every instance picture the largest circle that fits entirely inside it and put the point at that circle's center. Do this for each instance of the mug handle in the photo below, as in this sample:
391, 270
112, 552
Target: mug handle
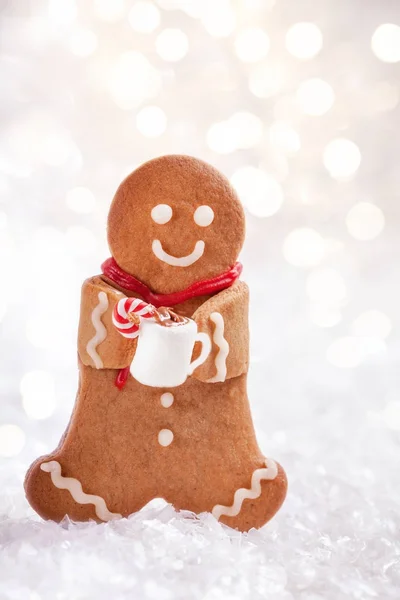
205, 351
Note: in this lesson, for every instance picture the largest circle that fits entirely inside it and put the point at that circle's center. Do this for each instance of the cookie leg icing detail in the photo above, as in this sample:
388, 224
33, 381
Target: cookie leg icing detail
221, 342
75, 489
101, 331
269, 473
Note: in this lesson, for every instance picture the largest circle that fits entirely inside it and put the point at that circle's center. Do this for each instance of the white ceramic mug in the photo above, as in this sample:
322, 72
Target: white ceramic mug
163, 354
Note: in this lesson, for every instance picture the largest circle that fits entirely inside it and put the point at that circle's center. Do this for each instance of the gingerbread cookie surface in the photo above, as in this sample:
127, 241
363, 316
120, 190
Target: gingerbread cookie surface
162, 407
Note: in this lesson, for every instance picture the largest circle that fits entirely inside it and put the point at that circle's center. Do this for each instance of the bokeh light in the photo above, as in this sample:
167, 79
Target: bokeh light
342, 158
218, 18
81, 200
133, 80
12, 440
83, 42
385, 43
325, 316
365, 221
144, 17
372, 323
304, 40
327, 287
38, 394
109, 10
259, 191
172, 44
391, 415
315, 96
304, 247
62, 12
252, 44
151, 121
283, 136
345, 352
242, 130
265, 81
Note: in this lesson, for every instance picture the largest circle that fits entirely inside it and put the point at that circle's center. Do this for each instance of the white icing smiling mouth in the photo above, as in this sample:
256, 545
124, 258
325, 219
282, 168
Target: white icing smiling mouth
183, 261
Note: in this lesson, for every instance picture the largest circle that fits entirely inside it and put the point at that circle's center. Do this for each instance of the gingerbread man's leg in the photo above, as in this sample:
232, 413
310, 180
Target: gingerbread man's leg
255, 505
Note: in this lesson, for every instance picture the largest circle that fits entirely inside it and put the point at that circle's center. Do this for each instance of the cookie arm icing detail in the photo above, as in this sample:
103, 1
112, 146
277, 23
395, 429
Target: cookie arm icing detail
101, 331
269, 473
100, 345
224, 317
75, 489
221, 342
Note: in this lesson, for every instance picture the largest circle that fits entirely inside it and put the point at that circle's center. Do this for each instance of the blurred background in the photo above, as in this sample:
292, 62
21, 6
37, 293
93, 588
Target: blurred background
298, 104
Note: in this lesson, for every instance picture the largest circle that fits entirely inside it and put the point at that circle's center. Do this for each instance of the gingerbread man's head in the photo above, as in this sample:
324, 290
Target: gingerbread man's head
174, 221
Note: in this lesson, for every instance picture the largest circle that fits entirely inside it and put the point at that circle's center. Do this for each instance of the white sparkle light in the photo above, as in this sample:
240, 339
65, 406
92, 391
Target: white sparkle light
282, 135
248, 129
62, 12
109, 10
81, 240
133, 80
325, 316
265, 81
385, 43
242, 130
315, 97
372, 323
222, 138
391, 415
218, 18
12, 440
81, 200
252, 44
82, 42
304, 247
365, 221
144, 17
346, 352
259, 191
326, 286
38, 394
172, 44
304, 40
151, 121
341, 158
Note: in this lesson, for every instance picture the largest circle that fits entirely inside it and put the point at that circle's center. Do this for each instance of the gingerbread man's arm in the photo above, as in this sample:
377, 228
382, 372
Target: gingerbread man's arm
224, 317
99, 343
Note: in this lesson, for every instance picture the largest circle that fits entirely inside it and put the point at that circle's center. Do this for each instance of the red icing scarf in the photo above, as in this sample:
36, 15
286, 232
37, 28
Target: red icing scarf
201, 288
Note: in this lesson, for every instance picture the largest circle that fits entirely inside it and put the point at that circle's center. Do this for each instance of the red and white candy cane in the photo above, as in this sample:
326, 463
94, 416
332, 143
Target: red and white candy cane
128, 306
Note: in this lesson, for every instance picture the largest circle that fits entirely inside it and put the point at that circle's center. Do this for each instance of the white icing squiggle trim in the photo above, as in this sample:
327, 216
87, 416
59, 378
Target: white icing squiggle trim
101, 331
75, 489
220, 341
269, 473
183, 261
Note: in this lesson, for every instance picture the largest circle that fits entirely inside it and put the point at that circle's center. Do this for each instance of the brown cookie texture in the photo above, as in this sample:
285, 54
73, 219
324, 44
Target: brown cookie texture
184, 184
112, 448
228, 331
99, 343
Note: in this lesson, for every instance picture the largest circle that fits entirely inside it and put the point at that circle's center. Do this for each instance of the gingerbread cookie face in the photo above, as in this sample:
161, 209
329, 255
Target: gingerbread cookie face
174, 221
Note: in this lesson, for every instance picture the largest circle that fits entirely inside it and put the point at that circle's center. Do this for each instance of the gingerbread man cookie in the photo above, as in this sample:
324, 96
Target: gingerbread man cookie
162, 407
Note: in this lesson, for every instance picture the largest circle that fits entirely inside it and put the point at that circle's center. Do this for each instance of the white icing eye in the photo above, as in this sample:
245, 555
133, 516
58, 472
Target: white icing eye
204, 216
161, 214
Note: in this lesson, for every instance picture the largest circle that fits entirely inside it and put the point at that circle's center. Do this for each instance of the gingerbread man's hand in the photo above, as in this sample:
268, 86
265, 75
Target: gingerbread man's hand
100, 345
224, 317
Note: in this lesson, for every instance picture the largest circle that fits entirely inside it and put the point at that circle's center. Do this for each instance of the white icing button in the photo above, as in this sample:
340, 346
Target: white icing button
167, 399
204, 216
161, 214
165, 437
